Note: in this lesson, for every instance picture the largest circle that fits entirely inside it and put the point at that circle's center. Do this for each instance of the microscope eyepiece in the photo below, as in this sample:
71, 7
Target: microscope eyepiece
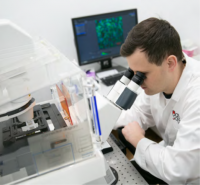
127, 76
129, 73
138, 78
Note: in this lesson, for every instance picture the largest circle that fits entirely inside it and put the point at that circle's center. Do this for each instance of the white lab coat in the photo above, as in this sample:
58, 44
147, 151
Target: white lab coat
176, 160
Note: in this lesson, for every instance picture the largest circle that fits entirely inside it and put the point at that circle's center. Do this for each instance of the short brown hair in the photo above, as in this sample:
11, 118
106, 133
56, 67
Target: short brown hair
156, 37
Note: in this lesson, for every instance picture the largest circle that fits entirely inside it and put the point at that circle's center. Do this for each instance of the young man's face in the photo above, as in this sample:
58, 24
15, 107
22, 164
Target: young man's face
156, 76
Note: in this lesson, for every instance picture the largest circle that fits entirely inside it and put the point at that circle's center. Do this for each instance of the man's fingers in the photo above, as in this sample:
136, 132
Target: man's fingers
123, 131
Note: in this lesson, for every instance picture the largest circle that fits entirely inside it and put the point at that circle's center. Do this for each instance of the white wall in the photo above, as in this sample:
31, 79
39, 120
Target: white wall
51, 19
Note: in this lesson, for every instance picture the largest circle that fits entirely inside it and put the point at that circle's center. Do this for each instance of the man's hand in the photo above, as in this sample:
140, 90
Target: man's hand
133, 133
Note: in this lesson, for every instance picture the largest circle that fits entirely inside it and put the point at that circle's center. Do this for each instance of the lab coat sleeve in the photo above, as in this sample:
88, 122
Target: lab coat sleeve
180, 163
140, 112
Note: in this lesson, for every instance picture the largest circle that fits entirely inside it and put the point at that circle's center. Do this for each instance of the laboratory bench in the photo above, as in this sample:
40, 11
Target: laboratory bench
127, 173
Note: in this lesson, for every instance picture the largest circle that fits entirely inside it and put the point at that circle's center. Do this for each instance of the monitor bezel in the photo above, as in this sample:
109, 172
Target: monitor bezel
76, 42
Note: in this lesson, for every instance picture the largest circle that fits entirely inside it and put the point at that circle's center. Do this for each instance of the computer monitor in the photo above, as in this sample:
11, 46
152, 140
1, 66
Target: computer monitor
98, 38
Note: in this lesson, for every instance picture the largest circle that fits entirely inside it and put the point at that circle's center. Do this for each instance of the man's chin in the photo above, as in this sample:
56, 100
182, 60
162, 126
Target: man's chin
149, 92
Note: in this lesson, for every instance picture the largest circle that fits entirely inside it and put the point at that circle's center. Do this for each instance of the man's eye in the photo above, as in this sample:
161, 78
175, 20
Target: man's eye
145, 75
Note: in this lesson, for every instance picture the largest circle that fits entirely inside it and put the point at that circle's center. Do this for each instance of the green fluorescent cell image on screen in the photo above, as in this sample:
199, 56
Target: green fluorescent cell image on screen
109, 32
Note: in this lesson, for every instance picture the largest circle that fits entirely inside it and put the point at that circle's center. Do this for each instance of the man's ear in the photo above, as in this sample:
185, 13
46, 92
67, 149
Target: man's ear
171, 62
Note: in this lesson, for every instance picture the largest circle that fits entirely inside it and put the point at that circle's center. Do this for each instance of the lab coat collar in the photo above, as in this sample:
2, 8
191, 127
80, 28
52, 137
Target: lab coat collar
183, 81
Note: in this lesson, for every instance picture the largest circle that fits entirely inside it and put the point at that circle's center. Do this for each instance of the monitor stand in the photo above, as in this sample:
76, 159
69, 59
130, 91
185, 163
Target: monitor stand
106, 65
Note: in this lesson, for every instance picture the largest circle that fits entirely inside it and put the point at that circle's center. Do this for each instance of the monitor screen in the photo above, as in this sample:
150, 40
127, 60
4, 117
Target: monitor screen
99, 37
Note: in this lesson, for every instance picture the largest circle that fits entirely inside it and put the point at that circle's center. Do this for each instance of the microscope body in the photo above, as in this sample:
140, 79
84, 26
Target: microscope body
121, 97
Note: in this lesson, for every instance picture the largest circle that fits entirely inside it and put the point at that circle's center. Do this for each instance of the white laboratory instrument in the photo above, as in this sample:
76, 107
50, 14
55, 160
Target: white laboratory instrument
44, 142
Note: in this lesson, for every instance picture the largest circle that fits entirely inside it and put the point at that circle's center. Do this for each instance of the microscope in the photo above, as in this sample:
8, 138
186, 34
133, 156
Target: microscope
120, 98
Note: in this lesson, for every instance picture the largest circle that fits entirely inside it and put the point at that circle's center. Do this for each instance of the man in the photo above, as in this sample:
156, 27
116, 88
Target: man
170, 101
